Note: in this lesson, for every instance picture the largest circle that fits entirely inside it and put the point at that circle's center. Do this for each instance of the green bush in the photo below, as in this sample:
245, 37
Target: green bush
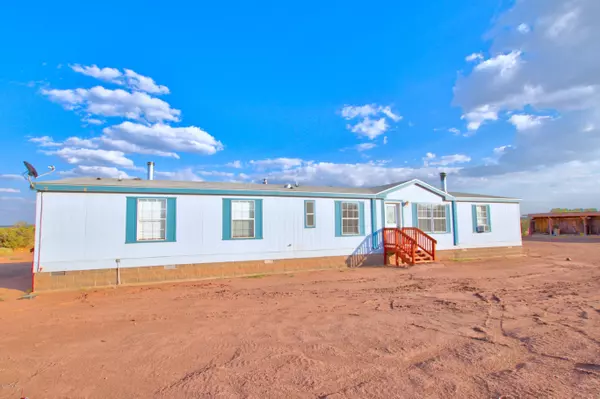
21, 235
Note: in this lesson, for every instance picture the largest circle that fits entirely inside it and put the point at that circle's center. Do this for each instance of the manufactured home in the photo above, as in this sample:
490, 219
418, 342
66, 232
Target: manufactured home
102, 232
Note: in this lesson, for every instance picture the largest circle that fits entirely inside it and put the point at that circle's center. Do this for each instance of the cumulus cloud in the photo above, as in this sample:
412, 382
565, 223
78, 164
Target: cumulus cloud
128, 78
474, 57
526, 122
9, 190
365, 146
476, 117
368, 126
284, 163
114, 103
503, 65
179, 175
44, 141
93, 157
234, 164
164, 138
95, 171
216, 173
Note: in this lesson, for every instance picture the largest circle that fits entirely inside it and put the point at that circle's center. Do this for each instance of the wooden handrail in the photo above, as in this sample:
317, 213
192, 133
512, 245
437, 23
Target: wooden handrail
424, 241
402, 244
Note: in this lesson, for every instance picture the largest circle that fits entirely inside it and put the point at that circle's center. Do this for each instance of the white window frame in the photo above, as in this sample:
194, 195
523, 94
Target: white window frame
307, 214
233, 237
350, 218
139, 220
479, 210
433, 218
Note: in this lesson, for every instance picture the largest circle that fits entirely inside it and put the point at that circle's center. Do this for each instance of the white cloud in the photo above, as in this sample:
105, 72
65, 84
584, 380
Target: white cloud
234, 164
139, 82
474, 57
164, 138
9, 190
95, 171
128, 78
93, 157
502, 149
563, 23
370, 128
365, 146
216, 173
114, 103
503, 64
447, 160
44, 141
79, 142
179, 175
353, 111
476, 117
387, 111
526, 122
523, 28
106, 74
8, 176
385, 140
285, 163
454, 130
93, 121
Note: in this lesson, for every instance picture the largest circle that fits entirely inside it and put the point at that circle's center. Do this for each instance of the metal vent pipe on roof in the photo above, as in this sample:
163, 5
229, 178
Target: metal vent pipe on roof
150, 170
265, 181
443, 182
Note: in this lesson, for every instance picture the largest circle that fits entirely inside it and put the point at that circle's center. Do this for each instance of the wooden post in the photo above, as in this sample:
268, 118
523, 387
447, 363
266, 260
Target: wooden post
584, 219
550, 226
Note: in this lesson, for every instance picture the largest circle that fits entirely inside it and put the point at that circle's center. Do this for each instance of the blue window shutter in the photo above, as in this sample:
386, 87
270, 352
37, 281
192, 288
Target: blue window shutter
338, 218
361, 218
489, 215
131, 220
227, 219
415, 215
448, 229
474, 213
258, 219
171, 220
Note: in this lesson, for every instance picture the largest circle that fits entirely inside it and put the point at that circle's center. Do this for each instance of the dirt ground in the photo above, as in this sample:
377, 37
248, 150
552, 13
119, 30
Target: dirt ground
512, 328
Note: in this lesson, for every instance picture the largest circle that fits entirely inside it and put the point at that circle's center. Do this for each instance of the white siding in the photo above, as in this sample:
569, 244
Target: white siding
87, 231
505, 220
417, 194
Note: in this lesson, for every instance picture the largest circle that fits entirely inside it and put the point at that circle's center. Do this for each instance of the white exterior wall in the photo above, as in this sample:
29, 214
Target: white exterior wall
416, 194
82, 231
505, 220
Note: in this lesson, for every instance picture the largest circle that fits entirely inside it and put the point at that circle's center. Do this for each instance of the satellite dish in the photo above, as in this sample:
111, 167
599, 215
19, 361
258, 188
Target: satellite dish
31, 172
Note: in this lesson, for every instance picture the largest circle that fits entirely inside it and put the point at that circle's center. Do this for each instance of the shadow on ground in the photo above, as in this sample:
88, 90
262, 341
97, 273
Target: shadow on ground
15, 276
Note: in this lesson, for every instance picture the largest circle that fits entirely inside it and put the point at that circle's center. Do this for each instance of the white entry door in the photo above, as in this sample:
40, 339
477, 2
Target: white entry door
392, 215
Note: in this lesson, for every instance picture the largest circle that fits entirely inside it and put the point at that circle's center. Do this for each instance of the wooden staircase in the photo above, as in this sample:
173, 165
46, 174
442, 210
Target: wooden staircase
410, 245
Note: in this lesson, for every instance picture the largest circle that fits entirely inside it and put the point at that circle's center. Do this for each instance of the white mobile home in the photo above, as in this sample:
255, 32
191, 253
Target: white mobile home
98, 232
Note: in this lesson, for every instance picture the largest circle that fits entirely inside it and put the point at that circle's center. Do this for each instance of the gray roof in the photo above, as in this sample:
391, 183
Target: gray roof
204, 185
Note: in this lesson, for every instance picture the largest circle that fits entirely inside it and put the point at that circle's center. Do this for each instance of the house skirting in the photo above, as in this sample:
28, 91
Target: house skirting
478, 253
76, 279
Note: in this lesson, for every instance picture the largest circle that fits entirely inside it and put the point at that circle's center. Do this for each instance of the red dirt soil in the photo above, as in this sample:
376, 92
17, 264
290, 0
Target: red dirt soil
514, 328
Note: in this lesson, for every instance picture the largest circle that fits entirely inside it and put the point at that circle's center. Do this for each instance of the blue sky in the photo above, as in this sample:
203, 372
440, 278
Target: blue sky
342, 94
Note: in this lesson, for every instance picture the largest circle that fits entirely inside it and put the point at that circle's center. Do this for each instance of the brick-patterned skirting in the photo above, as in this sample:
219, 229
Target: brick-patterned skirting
478, 253
70, 280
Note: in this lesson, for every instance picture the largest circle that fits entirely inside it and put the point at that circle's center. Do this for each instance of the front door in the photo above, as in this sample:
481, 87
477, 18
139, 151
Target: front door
392, 215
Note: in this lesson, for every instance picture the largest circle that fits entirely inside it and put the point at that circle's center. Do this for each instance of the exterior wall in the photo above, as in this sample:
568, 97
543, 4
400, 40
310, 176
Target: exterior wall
506, 226
81, 231
417, 194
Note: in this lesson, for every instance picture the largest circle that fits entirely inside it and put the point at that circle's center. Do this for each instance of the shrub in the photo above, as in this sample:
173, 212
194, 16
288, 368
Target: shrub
21, 235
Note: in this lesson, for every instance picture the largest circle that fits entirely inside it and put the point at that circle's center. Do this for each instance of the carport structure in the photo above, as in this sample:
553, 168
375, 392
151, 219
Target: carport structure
574, 223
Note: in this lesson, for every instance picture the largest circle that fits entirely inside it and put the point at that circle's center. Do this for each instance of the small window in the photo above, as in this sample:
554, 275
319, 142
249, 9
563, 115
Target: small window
242, 219
309, 214
151, 219
350, 218
431, 218
483, 218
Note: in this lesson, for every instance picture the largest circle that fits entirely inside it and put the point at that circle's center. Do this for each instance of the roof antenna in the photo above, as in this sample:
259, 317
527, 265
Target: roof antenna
31, 173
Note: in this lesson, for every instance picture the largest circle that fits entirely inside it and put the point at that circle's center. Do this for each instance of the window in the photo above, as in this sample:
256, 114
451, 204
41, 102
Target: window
432, 218
309, 214
482, 215
242, 219
151, 219
350, 218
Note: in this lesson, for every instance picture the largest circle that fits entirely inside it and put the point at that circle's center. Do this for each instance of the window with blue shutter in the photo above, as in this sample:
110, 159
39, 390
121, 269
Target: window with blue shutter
482, 221
349, 218
151, 219
432, 218
242, 219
